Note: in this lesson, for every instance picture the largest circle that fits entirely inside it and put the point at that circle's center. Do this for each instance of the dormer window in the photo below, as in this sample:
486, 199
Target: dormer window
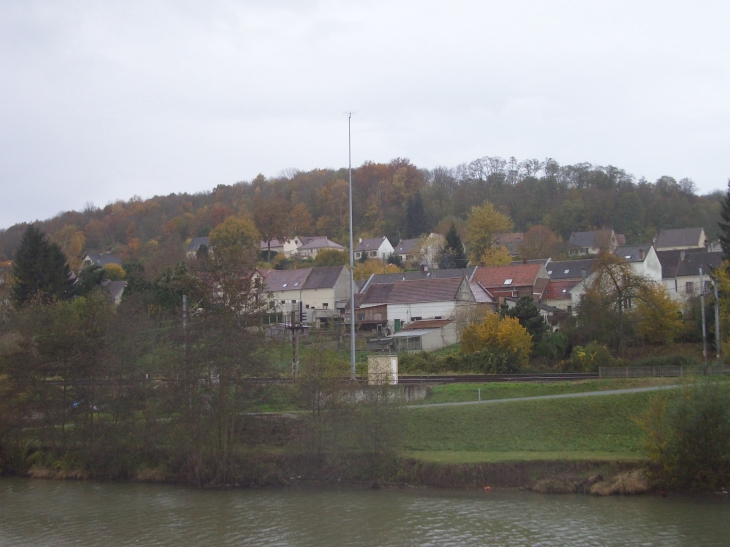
284, 285
508, 281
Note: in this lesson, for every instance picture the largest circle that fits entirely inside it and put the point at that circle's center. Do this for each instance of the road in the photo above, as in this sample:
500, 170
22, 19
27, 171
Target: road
541, 397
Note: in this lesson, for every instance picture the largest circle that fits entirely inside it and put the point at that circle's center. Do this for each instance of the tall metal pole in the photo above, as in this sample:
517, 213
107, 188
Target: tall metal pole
353, 373
704, 326
718, 340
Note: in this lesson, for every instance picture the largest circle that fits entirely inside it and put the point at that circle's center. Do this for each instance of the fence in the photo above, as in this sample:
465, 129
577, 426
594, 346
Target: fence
642, 372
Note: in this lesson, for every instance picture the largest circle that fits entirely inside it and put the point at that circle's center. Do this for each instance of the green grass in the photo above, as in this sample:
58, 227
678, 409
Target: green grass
452, 393
454, 457
585, 427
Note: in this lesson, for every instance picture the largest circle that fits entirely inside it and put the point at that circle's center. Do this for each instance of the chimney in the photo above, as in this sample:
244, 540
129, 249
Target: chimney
583, 273
681, 256
642, 254
524, 261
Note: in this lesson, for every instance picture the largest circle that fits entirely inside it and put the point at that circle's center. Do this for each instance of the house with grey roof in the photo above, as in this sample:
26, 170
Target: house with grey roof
681, 239
192, 248
402, 302
287, 247
591, 243
101, 259
418, 274
510, 241
377, 247
681, 271
566, 270
422, 251
312, 245
321, 293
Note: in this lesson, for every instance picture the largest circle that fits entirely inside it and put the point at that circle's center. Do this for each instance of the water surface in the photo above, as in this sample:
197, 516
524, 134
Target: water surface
55, 513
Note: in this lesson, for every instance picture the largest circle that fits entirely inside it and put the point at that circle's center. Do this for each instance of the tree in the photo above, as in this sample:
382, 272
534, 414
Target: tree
271, 216
416, 221
331, 257
619, 303
363, 270
539, 242
725, 224
497, 333
39, 270
72, 242
483, 223
452, 254
528, 314
498, 255
300, 220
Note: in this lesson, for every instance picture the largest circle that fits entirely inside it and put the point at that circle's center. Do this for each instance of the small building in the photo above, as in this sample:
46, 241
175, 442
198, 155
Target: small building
378, 247
287, 247
681, 271
511, 241
192, 248
557, 294
312, 245
101, 259
428, 335
591, 243
681, 239
514, 280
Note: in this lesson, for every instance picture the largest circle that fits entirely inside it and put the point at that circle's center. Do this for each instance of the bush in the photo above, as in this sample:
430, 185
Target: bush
668, 361
589, 358
688, 436
480, 362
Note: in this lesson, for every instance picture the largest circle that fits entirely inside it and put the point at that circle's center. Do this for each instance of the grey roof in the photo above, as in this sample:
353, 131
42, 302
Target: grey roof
406, 246
323, 277
320, 243
196, 243
682, 237
102, 259
422, 290
286, 280
412, 276
587, 239
115, 289
371, 244
633, 253
569, 269
670, 261
692, 262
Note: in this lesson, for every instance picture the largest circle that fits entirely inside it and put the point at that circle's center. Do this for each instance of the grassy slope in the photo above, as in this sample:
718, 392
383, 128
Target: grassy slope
449, 393
591, 428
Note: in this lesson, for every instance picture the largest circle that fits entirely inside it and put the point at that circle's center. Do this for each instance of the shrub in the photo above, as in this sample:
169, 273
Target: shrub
688, 436
589, 358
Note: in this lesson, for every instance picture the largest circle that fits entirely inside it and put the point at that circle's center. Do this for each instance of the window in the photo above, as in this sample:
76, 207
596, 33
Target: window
708, 287
566, 271
325, 305
285, 284
689, 287
550, 272
293, 301
361, 317
373, 253
296, 284
508, 281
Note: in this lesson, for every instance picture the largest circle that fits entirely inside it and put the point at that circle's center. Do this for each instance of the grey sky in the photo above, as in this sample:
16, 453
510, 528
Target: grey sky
105, 100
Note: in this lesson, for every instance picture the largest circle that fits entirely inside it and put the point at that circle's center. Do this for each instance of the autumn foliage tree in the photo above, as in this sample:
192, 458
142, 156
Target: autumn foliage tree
498, 334
484, 222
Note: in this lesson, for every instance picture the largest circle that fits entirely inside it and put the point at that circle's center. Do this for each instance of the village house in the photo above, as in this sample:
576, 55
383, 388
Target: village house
312, 245
425, 335
510, 241
101, 259
591, 243
681, 271
287, 247
192, 248
421, 251
322, 292
378, 247
514, 280
681, 239
401, 302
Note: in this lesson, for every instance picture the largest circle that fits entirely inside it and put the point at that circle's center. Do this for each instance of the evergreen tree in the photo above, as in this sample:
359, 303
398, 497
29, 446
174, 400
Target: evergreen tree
416, 221
528, 314
39, 269
452, 255
725, 224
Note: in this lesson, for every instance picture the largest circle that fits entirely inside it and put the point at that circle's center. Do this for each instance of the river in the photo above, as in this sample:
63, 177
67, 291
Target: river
54, 513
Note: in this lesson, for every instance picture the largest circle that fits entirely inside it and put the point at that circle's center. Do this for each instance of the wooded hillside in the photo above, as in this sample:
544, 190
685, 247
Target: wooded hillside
397, 199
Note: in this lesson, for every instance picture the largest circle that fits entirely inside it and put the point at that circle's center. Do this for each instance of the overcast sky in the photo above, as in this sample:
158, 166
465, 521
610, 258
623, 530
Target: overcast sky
102, 100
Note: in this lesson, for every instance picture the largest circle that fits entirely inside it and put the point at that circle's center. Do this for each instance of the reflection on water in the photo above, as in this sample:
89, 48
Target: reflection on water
39, 513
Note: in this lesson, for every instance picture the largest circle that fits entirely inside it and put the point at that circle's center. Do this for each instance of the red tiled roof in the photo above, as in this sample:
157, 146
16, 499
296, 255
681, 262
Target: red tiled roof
559, 289
522, 275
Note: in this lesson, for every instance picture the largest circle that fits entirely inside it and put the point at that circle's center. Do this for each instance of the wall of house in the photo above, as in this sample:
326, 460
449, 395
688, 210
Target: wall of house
650, 267
440, 338
426, 310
